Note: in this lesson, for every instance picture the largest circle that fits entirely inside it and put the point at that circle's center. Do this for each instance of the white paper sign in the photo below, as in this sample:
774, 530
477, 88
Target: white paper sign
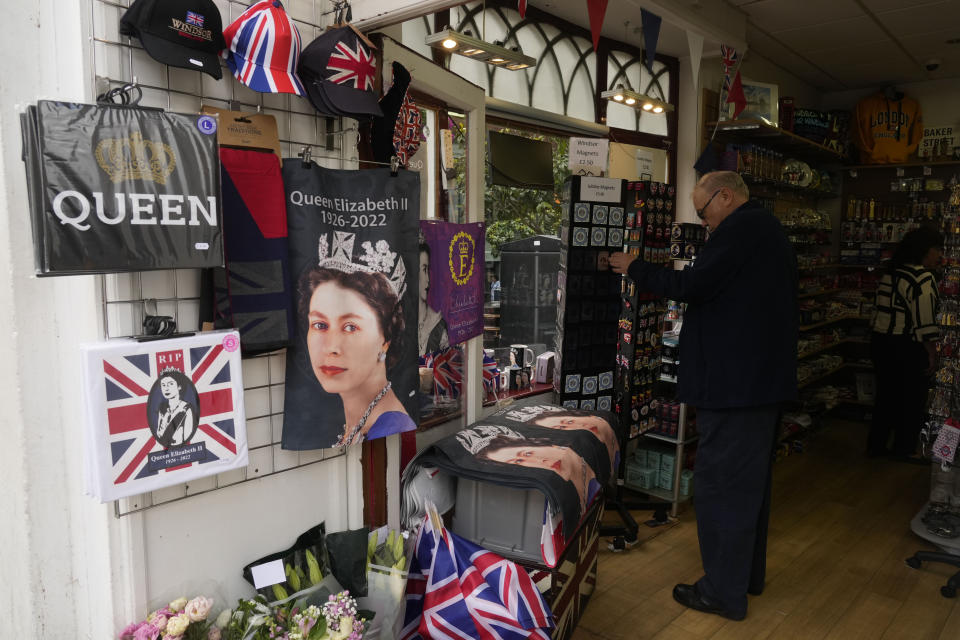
268, 574
588, 155
645, 162
600, 189
936, 141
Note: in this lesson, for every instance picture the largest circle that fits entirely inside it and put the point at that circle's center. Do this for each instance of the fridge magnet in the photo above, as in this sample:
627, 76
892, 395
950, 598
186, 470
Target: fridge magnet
581, 212
598, 237
581, 236
600, 213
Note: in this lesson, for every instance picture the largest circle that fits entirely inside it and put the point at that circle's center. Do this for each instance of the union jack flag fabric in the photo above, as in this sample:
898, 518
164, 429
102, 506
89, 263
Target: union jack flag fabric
408, 130
729, 59
567, 588
163, 412
448, 372
352, 66
459, 591
263, 48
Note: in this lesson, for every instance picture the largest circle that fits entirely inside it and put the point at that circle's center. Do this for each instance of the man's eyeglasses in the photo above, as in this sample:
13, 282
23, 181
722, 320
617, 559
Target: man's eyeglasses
704, 207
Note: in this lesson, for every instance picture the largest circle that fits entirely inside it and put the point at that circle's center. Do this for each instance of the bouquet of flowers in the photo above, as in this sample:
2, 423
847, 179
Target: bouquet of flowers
337, 619
182, 619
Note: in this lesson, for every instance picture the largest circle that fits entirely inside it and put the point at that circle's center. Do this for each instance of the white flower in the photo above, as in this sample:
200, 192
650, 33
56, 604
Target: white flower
346, 628
178, 604
177, 625
224, 618
199, 608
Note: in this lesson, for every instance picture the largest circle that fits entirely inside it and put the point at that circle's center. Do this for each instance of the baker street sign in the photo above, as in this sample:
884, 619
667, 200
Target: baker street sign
121, 189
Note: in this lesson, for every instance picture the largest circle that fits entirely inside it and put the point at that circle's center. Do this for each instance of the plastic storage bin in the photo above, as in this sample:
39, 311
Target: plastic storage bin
504, 520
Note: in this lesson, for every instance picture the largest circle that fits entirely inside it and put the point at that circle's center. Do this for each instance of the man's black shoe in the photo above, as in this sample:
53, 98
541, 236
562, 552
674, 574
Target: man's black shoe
689, 596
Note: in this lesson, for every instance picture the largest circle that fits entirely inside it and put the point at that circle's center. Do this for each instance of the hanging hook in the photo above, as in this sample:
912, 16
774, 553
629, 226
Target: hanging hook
305, 155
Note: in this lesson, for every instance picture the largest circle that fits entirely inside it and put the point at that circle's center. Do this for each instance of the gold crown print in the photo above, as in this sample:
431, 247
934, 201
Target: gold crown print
134, 158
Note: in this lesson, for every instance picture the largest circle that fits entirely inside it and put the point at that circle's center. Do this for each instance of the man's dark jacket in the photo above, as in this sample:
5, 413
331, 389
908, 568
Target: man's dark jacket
738, 343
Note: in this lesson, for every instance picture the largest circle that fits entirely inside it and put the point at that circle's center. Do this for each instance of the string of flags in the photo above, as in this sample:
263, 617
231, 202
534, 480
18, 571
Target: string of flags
732, 84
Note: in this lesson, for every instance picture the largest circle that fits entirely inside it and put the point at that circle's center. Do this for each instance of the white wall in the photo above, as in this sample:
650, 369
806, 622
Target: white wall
55, 544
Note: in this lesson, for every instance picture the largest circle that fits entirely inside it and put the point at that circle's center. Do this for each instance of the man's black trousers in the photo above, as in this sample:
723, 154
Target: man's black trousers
732, 498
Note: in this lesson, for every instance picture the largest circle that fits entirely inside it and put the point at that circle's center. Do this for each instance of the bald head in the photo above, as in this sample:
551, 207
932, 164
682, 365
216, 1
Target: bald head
717, 195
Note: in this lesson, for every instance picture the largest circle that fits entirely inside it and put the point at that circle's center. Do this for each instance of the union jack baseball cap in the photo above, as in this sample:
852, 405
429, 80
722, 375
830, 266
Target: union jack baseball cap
262, 49
339, 72
180, 33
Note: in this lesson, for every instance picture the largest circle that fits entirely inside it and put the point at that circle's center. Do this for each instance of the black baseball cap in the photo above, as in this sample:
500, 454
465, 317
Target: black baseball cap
338, 71
181, 33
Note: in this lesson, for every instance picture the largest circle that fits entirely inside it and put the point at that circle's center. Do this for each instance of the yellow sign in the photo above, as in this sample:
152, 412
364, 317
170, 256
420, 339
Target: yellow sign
461, 257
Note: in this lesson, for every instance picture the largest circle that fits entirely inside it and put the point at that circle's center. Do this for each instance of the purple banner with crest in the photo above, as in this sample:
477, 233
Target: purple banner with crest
453, 282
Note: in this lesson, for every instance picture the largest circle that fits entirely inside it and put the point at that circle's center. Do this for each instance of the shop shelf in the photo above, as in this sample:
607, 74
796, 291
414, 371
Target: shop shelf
817, 325
826, 374
816, 267
786, 186
663, 494
917, 163
814, 294
671, 440
827, 347
738, 131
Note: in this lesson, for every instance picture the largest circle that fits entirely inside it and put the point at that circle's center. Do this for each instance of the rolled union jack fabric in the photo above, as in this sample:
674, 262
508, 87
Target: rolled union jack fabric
448, 371
459, 591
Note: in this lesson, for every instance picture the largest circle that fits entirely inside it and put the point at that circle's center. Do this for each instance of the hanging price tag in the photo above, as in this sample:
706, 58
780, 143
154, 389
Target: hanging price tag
899, 172
927, 171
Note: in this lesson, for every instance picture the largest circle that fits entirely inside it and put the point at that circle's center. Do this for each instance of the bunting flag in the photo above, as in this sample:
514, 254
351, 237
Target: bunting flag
522, 8
695, 47
731, 81
651, 34
735, 96
597, 9
729, 60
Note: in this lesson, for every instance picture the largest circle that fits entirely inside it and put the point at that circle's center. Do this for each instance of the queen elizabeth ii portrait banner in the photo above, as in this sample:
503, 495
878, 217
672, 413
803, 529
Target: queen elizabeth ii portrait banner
352, 367
162, 412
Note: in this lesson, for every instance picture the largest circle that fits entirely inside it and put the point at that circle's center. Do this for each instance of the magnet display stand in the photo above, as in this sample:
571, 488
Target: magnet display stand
588, 292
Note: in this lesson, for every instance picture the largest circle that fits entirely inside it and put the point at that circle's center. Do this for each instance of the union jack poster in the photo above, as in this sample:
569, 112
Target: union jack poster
162, 412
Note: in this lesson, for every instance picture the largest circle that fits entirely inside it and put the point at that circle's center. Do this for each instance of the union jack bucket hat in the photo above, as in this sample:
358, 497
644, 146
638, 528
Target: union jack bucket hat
339, 72
263, 47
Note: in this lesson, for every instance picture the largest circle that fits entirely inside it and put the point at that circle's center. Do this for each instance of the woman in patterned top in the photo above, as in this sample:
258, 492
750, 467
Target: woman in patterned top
903, 344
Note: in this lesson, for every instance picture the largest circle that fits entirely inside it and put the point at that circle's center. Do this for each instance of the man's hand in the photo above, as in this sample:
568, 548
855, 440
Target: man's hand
620, 262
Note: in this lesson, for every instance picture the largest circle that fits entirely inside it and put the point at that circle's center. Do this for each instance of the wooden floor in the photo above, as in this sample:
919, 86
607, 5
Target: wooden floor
839, 535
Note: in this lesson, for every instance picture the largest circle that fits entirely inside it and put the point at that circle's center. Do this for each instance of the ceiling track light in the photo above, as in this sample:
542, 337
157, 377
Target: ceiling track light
451, 41
636, 100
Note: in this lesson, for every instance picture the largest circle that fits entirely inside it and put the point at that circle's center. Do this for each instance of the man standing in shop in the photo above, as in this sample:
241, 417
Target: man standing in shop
738, 364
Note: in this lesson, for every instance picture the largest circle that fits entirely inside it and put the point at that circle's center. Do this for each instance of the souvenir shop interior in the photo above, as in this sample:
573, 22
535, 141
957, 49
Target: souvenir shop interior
314, 325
